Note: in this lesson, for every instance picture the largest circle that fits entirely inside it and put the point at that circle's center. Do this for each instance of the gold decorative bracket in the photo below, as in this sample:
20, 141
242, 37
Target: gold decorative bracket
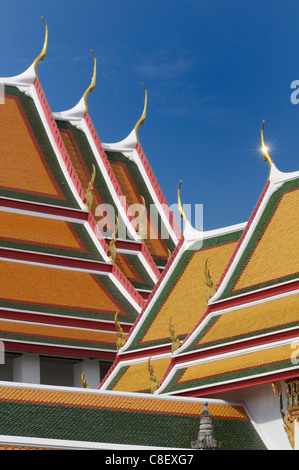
174, 339
289, 418
83, 381
142, 225
112, 245
153, 378
43, 53
91, 87
143, 116
121, 337
88, 195
211, 289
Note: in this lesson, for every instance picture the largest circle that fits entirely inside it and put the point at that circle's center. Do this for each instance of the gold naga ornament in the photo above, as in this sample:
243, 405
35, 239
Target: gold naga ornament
88, 193
91, 87
288, 420
174, 339
264, 150
121, 337
112, 245
153, 378
211, 289
141, 121
43, 53
83, 381
142, 225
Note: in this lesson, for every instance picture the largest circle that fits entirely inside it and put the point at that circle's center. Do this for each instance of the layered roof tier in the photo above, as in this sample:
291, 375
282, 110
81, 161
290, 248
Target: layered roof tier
177, 302
58, 418
229, 302
60, 290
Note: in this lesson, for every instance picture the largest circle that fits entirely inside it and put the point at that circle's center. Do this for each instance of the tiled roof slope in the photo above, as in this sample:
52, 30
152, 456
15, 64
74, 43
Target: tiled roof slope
88, 417
263, 257
133, 186
29, 168
59, 289
273, 314
85, 150
140, 186
247, 334
247, 367
180, 296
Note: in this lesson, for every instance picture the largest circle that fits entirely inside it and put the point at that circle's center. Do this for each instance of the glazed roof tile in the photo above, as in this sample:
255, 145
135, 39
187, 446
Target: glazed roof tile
133, 420
203, 376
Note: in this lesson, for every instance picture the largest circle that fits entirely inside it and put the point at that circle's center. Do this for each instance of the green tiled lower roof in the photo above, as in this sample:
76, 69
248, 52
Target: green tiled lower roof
93, 424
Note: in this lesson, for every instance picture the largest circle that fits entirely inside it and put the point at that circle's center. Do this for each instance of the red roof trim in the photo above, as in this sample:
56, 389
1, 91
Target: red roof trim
246, 383
117, 189
65, 157
57, 320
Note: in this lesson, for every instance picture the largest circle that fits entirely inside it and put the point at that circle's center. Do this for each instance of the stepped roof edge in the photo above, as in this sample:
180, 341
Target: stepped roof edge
125, 354
184, 245
28, 83
79, 117
131, 148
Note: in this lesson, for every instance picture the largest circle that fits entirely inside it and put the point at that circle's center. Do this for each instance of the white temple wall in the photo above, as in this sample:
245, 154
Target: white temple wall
264, 410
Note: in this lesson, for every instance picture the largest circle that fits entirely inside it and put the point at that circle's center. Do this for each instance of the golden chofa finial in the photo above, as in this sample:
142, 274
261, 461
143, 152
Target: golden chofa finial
264, 148
180, 207
143, 116
121, 337
43, 53
92, 85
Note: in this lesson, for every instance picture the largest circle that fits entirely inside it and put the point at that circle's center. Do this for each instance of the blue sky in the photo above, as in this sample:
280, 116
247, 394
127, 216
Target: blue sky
213, 69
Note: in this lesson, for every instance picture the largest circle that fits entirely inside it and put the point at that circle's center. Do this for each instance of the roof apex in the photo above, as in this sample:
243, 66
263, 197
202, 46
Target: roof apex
277, 176
73, 115
125, 146
23, 80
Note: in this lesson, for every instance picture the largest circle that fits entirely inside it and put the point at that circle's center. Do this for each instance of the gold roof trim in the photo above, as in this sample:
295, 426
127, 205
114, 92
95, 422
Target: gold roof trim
140, 122
43, 53
91, 87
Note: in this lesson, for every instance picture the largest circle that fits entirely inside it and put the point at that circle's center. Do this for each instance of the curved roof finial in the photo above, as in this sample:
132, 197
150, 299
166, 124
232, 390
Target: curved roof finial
143, 116
43, 53
90, 89
180, 207
264, 148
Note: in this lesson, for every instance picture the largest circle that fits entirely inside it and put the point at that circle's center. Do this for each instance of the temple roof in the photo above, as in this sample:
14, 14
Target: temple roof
60, 418
50, 244
179, 296
251, 322
140, 186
